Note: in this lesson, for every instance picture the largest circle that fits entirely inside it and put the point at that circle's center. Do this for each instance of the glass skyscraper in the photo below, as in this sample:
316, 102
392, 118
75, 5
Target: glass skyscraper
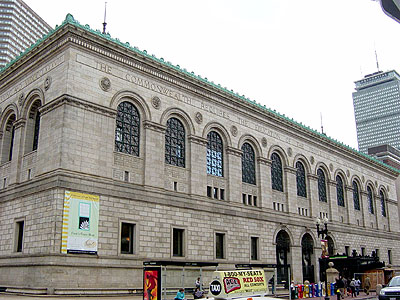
377, 110
20, 27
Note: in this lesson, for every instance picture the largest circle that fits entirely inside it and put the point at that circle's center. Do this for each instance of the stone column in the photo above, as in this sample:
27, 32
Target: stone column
378, 211
234, 173
333, 207
17, 151
364, 207
296, 265
349, 202
198, 165
154, 154
291, 189
316, 256
312, 195
264, 182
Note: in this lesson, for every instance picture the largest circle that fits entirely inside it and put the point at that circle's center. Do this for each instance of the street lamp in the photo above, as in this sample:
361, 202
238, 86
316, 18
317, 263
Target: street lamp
324, 234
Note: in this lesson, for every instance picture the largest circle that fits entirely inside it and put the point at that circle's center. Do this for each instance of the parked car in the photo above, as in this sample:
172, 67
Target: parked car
392, 290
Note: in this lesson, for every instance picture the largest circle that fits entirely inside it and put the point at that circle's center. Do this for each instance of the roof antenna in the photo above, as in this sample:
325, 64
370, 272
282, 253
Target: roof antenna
322, 126
104, 23
376, 58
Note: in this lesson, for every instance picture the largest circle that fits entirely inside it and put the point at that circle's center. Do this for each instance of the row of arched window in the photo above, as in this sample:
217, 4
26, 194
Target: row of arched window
127, 139
32, 128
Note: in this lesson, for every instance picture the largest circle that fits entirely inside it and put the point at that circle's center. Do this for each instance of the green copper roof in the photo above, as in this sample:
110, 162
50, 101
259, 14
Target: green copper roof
69, 19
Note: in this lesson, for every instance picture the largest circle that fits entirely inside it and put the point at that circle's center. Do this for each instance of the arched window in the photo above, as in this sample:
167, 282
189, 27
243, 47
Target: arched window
370, 199
339, 191
331, 246
356, 196
36, 131
127, 130
32, 128
175, 143
276, 173
321, 185
383, 204
214, 154
248, 164
8, 139
301, 180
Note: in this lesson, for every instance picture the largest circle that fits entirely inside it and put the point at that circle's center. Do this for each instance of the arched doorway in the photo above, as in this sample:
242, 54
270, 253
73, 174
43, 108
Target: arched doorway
331, 246
282, 257
307, 251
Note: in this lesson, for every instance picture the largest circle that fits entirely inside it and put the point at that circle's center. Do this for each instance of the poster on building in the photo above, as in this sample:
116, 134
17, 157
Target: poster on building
80, 223
324, 246
152, 283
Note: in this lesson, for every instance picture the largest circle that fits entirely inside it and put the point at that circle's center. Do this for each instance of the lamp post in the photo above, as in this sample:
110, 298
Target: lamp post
323, 232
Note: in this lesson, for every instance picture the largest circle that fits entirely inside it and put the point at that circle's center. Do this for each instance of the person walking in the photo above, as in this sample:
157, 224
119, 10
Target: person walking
353, 288
198, 283
358, 285
340, 287
367, 284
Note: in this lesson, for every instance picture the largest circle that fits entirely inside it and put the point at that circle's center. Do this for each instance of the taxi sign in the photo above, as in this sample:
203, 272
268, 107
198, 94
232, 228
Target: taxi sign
238, 283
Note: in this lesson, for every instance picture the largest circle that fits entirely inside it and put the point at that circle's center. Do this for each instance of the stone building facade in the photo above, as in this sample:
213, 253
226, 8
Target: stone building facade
184, 170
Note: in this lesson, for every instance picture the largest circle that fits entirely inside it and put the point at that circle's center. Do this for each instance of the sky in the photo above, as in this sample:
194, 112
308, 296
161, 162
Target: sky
300, 58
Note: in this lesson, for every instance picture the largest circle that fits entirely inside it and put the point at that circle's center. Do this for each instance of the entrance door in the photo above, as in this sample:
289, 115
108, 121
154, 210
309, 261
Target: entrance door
307, 250
282, 250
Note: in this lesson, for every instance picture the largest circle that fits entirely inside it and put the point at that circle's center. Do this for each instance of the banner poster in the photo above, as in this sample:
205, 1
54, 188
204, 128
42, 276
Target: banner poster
152, 283
238, 283
324, 246
80, 223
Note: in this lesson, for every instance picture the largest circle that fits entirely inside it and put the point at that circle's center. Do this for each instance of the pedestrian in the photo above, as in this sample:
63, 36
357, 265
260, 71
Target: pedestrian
358, 285
198, 283
180, 295
272, 283
340, 287
367, 284
293, 290
337, 288
353, 287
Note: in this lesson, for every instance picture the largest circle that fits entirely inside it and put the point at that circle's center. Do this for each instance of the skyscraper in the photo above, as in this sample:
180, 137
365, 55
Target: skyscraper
377, 110
20, 27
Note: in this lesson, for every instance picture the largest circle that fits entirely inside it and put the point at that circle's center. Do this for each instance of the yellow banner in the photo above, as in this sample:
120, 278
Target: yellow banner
238, 283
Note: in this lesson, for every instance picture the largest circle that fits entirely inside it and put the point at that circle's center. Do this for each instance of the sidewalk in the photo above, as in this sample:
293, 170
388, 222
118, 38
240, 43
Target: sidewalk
362, 296
4, 296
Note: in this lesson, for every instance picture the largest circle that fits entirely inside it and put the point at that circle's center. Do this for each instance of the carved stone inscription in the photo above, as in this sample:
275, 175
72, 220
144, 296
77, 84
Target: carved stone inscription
33, 77
169, 92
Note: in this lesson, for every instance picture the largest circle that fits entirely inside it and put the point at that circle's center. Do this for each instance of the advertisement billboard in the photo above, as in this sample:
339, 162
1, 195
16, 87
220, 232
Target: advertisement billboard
152, 283
80, 223
238, 283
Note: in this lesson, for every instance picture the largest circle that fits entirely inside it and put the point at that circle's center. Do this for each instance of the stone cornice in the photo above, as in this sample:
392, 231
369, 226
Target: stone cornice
234, 151
348, 188
312, 176
290, 169
264, 161
154, 126
19, 123
198, 140
70, 100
